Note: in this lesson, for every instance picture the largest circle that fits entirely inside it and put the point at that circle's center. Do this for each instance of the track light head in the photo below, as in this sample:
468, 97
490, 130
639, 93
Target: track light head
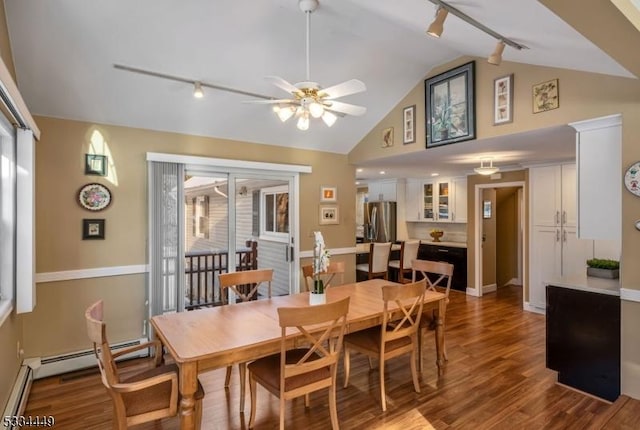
437, 26
496, 57
197, 90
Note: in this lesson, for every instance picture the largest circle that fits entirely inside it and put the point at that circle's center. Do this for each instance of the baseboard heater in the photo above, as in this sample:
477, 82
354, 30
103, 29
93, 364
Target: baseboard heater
19, 395
79, 360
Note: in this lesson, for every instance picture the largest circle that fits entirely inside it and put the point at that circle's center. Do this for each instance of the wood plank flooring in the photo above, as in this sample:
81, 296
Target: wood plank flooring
495, 379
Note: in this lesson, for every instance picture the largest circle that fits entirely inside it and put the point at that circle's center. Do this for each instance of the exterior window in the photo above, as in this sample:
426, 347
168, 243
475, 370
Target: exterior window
201, 216
275, 213
8, 226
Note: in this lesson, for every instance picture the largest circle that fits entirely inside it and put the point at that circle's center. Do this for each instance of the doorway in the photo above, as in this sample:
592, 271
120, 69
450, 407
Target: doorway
499, 243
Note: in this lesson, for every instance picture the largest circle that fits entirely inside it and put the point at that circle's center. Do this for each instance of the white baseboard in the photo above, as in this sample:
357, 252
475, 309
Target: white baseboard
514, 281
73, 361
530, 308
472, 292
489, 288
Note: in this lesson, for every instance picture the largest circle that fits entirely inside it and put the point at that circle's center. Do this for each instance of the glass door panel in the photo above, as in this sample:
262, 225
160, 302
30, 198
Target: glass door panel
443, 201
428, 202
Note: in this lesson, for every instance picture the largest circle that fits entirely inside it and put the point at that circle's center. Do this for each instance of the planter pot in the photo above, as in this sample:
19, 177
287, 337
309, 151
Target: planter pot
603, 273
317, 298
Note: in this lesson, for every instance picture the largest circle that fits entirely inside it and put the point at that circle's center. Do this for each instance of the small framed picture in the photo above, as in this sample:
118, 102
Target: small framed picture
328, 194
92, 229
95, 164
503, 100
545, 96
387, 137
409, 124
329, 215
486, 209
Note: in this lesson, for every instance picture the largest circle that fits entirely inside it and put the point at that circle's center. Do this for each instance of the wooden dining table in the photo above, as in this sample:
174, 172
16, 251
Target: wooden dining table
212, 338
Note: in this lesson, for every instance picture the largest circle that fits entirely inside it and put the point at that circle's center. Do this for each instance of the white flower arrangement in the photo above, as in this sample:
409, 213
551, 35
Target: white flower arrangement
321, 258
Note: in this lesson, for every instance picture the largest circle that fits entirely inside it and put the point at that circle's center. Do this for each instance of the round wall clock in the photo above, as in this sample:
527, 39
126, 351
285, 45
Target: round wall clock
94, 197
632, 179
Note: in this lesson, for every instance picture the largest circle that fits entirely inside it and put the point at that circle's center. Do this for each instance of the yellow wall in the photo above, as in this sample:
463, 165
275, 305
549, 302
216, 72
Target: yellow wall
507, 236
489, 236
56, 325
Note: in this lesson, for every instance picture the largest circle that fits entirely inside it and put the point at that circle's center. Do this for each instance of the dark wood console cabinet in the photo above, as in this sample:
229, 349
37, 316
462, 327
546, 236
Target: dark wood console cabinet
583, 340
450, 254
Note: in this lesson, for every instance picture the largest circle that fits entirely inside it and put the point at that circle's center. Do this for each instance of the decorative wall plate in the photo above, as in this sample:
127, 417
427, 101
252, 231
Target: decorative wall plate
94, 197
632, 179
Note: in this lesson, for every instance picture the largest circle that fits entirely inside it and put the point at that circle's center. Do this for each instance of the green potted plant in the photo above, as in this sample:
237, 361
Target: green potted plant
603, 268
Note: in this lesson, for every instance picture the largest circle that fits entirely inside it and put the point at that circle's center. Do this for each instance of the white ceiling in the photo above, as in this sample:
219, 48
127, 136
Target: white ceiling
64, 52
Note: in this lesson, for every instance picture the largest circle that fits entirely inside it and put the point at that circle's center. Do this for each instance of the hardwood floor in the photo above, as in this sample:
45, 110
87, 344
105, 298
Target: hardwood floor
495, 379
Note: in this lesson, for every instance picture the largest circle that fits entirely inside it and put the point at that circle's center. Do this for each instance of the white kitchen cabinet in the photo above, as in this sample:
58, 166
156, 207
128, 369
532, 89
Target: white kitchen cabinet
555, 249
599, 157
382, 191
413, 198
442, 200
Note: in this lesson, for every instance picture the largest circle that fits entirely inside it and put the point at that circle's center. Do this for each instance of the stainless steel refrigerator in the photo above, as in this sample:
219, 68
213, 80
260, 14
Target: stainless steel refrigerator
380, 222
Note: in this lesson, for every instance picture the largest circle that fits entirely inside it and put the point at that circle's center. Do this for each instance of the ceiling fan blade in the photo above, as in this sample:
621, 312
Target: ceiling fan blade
281, 83
273, 101
344, 89
347, 108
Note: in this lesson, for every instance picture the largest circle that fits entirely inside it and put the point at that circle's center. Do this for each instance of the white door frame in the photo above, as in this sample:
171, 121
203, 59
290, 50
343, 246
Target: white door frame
477, 240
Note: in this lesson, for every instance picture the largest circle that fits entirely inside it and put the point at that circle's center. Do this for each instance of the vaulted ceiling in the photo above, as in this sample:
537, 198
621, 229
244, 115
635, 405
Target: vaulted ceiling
64, 52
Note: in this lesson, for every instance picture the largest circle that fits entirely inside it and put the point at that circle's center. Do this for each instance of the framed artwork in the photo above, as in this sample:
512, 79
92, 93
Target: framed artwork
328, 194
92, 229
503, 100
450, 106
95, 164
329, 215
545, 96
94, 197
387, 137
486, 209
409, 124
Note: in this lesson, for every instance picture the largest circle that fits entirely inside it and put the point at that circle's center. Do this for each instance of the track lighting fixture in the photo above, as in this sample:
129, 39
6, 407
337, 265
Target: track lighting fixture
486, 170
197, 90
437, 26
496, 57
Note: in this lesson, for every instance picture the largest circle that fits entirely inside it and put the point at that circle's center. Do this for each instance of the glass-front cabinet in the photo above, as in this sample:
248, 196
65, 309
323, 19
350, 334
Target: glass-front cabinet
436, 201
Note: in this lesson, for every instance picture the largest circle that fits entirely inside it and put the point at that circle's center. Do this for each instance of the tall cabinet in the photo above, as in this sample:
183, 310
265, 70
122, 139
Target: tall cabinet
555, 249
442, 200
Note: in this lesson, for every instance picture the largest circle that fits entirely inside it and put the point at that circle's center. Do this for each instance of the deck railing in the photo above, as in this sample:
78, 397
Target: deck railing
203, 267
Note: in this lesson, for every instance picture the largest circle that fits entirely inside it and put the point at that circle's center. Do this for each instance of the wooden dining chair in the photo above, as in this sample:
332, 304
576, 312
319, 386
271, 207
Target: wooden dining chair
334, 268
378, 265
396, 336
145, 396
233, 281
436, 274
295, 372
408, 253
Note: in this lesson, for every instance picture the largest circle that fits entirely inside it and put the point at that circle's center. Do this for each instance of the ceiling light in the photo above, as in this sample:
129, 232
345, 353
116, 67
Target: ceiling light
316, 109
486, 170
496, 57
303, 121
329, 118
357, 182
197, 90
359, 170
436, 27
382, 172
435, 174
283, 112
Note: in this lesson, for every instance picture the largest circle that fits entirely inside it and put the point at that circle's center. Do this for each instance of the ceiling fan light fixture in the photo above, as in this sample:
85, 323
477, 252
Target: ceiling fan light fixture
496, 57
329, 118
316, 109
486, 170
283, 112
437, 26
303, 122
197, 90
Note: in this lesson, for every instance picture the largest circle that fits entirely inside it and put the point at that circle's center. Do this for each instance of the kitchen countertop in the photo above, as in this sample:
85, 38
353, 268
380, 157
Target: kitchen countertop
587, 283
363, 248
444, 243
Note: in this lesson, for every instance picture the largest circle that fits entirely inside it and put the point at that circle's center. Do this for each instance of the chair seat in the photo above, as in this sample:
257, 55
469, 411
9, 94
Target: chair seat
395, 264
362, 267
369, 339
155, 397
267, 371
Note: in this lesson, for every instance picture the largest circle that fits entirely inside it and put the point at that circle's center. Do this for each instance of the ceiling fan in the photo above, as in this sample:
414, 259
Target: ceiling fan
309, 99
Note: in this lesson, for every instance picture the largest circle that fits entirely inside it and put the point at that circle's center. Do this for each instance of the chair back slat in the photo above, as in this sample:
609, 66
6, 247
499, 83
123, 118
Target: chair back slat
402, 319
334, 268
97, 331
322, 328
436, 273
245, 277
